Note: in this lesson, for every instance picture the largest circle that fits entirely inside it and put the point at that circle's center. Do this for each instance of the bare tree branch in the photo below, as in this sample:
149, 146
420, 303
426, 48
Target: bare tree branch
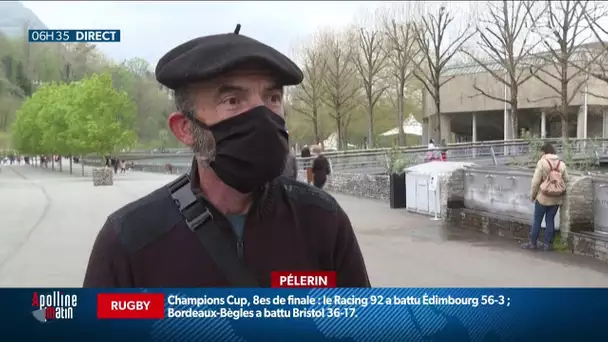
598, 30
402, 53
340, 81
482, 92
430, 35
563, 29
597, 95
310, 92
369, 60
542, 98
505, 40
543, 81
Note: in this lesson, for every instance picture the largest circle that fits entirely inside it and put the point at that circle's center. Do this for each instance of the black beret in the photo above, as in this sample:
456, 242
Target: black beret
206, 57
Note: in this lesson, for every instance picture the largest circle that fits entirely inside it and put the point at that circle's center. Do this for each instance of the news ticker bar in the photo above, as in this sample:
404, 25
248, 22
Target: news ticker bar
306, 314
74, 36
160, 305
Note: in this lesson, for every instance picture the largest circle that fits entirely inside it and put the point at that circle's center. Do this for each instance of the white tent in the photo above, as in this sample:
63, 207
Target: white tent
331, 143
410, 126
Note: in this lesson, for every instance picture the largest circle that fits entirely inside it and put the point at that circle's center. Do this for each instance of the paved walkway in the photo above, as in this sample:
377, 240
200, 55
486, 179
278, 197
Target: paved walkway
49, 220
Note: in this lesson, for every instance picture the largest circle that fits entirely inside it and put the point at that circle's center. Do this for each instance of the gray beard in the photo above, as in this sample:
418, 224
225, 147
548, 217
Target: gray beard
204, 144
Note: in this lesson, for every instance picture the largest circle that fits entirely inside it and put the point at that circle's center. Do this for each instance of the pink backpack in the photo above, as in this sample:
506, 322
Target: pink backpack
553, 185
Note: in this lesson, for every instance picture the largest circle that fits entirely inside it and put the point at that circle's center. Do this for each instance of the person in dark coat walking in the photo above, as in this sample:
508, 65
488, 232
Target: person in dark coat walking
115, 162
305, 154
229, 99
444, 150
321, 168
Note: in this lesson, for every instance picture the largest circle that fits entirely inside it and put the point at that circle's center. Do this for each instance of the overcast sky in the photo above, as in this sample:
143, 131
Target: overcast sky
150, 29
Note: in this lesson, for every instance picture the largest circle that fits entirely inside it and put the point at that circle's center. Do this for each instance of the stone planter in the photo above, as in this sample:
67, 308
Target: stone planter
103, 176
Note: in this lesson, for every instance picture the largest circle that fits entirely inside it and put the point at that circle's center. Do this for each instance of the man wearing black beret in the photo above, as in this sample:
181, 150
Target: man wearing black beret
229, 97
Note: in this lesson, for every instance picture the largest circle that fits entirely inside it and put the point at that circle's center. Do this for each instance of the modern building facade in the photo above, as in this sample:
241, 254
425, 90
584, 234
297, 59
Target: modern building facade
467, 115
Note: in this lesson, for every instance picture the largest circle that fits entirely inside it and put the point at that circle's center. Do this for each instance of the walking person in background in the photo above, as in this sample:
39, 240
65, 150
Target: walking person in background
547, 192
444, 150
123, 167
290, 170
114, 162
305, 153
432, 152
320, 167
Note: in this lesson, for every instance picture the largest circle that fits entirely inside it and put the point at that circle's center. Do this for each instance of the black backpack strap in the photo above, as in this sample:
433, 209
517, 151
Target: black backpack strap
219, 246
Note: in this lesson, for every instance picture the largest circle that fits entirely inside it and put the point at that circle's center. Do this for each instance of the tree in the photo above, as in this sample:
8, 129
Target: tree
11, 94
101, 118
22, 80
563, 30
599, 69
77, 118
54, 135
402, 53
80, 60
23, 67
307, 97
340, 80
122, 79
505, 42
152, 102
138, 67
46, 62
370, 60
431, 36
27, 128
9, 105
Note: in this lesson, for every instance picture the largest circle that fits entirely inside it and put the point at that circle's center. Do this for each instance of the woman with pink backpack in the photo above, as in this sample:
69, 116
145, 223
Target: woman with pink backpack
433, 153
548, 188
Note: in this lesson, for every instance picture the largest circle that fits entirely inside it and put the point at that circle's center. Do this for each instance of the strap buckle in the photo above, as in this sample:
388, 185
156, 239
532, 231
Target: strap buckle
193, 210
200, 220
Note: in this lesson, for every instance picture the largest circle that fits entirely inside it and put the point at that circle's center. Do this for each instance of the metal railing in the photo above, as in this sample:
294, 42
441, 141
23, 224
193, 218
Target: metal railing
377, 160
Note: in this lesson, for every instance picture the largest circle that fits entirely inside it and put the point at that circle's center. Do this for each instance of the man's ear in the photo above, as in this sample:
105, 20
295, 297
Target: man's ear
179, 124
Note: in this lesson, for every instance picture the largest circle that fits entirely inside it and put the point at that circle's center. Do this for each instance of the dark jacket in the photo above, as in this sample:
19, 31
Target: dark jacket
305, 153
291, 227
320, 169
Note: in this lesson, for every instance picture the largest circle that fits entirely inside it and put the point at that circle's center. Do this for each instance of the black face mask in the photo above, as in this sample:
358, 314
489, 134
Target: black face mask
250, 148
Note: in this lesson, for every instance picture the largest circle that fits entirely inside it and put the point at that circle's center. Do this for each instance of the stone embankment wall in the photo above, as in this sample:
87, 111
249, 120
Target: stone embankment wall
576, 218
360, 185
